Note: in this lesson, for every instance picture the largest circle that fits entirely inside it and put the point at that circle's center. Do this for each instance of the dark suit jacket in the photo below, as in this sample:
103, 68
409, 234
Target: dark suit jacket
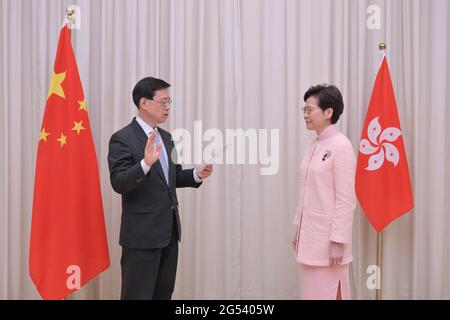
149, 205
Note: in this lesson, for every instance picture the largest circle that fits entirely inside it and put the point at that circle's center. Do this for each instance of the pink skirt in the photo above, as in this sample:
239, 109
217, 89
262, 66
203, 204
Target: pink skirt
322, 283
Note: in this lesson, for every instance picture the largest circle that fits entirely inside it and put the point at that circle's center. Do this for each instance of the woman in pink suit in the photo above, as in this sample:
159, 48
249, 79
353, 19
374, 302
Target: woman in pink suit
323, 241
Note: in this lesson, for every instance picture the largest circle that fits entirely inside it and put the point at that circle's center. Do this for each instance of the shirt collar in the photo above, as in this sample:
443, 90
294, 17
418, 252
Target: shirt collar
328, 132
147, 129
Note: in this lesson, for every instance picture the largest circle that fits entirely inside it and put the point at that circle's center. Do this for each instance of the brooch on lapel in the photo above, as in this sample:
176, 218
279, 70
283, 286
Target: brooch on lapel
326, 155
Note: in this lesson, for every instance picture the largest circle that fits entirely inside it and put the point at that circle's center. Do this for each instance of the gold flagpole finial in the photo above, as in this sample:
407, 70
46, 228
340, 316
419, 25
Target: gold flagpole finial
382, 47
70, 14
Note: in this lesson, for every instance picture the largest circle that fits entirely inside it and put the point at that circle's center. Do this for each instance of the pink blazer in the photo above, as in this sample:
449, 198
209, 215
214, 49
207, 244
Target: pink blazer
326, 198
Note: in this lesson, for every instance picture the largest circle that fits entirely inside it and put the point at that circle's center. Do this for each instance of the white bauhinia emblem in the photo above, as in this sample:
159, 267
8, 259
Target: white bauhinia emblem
381, 148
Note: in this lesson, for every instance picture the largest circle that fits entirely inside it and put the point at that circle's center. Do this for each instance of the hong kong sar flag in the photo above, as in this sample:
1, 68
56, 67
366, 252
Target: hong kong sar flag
382, 177
68, 238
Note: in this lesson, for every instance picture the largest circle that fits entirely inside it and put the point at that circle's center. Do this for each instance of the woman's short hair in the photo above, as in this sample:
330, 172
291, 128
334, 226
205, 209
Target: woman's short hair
328, 96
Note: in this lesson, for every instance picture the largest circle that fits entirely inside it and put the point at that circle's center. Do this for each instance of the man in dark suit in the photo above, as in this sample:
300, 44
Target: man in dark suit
143, 172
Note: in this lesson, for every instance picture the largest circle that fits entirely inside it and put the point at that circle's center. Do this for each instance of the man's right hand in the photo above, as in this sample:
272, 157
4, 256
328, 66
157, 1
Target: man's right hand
151, 152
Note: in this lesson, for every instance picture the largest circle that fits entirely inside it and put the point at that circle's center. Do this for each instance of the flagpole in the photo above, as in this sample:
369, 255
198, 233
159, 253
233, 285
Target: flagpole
379, 264
379, 290
69, 20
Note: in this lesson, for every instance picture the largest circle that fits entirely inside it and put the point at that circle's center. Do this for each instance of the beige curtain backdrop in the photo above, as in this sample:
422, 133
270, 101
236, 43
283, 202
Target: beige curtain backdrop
237, 64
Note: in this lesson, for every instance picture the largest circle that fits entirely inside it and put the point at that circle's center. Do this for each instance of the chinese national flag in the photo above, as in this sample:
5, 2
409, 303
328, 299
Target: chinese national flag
382, 177
68, 238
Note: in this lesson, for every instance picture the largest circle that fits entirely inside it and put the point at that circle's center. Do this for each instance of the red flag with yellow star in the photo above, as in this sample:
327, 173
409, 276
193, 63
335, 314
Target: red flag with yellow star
68, 238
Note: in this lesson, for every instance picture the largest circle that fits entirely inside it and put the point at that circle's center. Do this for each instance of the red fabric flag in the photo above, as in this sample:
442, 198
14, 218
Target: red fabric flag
68, 244
382, 177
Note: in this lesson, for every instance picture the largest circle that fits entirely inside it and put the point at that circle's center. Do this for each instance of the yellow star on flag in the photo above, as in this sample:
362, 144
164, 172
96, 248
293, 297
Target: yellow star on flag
78, 127
55, 85
82, 105
62, 140
43, 135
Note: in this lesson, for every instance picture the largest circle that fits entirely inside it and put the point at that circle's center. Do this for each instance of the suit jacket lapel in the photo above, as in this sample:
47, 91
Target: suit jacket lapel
160, 171
140, 133
168, 144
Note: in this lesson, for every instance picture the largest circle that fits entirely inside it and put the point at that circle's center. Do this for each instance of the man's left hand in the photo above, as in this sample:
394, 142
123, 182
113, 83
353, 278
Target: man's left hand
204, 172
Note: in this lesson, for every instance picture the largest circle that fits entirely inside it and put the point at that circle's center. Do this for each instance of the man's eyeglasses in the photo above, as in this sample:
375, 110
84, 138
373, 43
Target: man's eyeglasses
164, 102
